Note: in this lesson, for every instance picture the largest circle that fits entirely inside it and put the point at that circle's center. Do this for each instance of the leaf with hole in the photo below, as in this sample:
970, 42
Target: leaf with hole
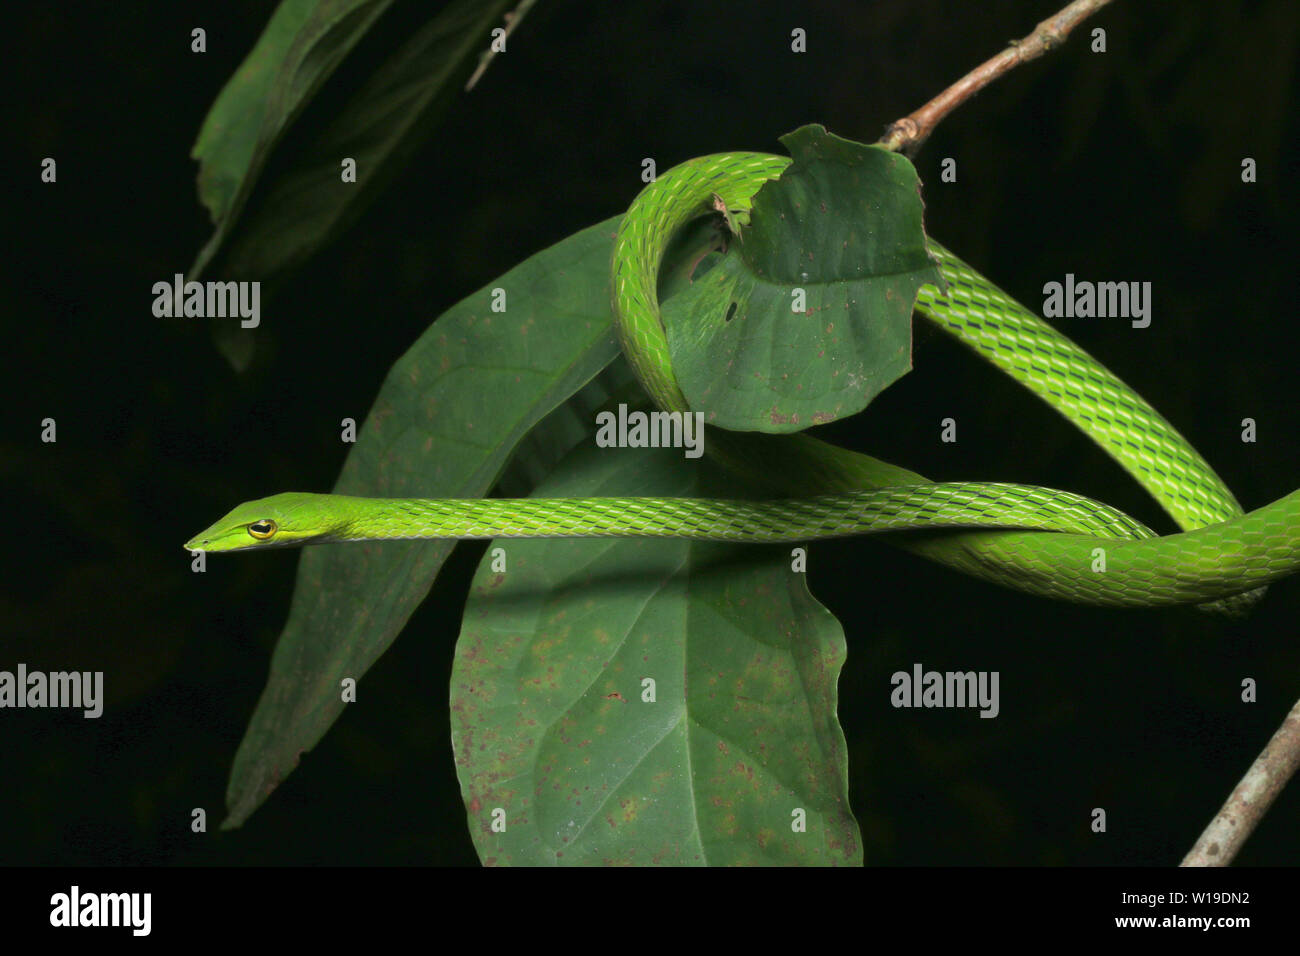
808, 315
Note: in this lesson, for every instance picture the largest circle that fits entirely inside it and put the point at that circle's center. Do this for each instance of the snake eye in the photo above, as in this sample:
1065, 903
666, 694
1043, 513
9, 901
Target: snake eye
262, 529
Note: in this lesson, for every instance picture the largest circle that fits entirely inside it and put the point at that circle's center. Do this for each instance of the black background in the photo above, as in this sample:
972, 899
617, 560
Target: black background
1119, 166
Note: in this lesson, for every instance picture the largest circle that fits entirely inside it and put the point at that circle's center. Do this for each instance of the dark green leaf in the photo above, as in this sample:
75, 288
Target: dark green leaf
448, 417
377, 126
301, 46
550, 719
451, 413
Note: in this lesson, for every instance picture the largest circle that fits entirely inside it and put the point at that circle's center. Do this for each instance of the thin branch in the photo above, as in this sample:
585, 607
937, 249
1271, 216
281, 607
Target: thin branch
1248, 803
512, 20
907, 134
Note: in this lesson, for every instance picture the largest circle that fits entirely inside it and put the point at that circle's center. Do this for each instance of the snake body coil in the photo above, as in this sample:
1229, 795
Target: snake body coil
1035, 539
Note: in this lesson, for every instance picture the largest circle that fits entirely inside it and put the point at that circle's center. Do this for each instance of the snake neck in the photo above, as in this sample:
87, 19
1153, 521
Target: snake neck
381, 519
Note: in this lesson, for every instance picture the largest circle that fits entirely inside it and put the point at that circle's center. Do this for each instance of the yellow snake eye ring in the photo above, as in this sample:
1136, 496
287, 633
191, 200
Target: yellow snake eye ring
261, 530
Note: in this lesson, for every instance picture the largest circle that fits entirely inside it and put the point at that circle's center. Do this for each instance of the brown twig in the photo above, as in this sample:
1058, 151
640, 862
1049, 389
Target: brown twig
512, 20
1248, 803
907, 134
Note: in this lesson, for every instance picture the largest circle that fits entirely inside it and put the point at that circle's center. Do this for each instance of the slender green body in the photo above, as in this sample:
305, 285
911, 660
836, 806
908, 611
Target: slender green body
1035, 539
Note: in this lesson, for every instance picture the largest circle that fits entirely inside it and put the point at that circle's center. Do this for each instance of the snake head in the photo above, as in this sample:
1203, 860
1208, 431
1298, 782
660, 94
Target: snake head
280, 521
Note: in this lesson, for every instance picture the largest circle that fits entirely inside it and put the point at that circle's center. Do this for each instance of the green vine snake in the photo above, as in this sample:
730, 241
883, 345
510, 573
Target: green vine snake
1038, 540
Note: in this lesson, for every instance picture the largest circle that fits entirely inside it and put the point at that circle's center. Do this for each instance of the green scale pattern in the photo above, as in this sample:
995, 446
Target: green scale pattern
895, 508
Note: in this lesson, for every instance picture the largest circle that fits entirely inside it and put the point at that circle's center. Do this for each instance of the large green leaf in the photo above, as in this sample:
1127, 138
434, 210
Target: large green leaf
378, 125
448, 417
551, 727
466, 397
809, 315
